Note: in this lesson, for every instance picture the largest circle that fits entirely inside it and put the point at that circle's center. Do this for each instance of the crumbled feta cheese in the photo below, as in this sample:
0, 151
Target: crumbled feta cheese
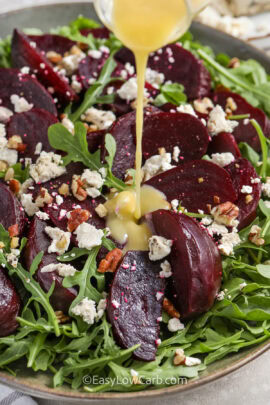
246, 121
5, 114
203, 105
192, 361
166, 270
130, 69
71, 62
12, 258
76, 85
228, 242
255, 180
246, 190
159, 295
38, 148
128, 91
2, 131
154, 78
68, 124
95, 54
10, 156
176, 153
92, 181
186, 109
242, 285
42, 215
217, 229
174, 325
64, 270
59, 200
175, 204
159, 247
157, 164
20, 104
47, 167
220, 296
115, 304
102, 305
218, 123
206, 221
102, 119
25, 70
28, 204
265, 187
87, 310
88, 236
222, 159
60, 240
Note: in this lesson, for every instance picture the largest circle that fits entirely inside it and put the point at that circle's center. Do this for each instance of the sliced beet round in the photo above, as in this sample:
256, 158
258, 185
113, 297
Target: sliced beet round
224, 142
133, 291
95, 139
24, 54
32, 126
11, 211
243, 174
198, 185
195, 260
55, 43
89, 68
101, 32
12, 81
179, 66
10, 305
175, 129
244, 132
38, 241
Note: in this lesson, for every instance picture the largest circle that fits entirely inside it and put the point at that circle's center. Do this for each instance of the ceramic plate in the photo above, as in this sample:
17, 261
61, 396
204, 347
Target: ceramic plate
45, 17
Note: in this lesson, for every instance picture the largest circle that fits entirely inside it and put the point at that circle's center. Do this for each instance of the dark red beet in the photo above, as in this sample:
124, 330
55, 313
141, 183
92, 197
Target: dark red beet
195, 261
242, 171
38, 241
11, 211
175, 129
12, 81
23, 54
55, 43
10, 304
89, 68
32, 126
196, 185
186, 68
244, 133
95, 139
224, 142
101, 32
135, 321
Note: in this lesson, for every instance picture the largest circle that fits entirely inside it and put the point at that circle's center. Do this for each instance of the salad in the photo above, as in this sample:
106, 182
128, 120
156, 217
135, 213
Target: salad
74, 303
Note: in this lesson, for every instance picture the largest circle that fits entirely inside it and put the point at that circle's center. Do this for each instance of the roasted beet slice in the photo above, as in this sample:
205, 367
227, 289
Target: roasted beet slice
198, 184
135, 285
89, 68
195, 260
178, 65
32, 126
101, 32
175, 129
24, 54
244, 132
38, 241
224, 142
12, 81
11, 211
95, 139
55, 43
10, 304
243, 174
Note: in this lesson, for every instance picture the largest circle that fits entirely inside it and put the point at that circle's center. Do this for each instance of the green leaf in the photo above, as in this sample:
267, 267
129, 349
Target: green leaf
249, 153
4, 237
110, 146
5, 52
35, 263
14, 352
171, 93
264, 148
264, 270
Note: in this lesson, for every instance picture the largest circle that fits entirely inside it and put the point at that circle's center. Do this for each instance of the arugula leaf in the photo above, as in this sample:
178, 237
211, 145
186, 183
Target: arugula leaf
171, 93
20, 174
249, 153
264, 148
5, 52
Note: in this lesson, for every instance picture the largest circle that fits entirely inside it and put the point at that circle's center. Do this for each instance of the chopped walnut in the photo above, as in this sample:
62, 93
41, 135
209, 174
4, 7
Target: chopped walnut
14, 186
234, 63
226, 214
9, 174
13, 230
3, 166
101, 210
248, 198
77, 188
43, 198
161, 151
179, 357
111, 261
255, 236
204, 105
64, 190
170, 309
230, 105
216, 199
54, 57
75, 50
14, 141
200, 180
61, 317
76, 218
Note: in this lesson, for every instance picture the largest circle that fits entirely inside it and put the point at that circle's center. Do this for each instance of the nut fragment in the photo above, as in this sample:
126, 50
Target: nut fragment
179, 357
14, 243
249, 198
77, 188
54, 57
230, 105
226, 214
61, 317
170, 309
255, 236
200, 180
14, 186
2, 245
203, 105
234, 63
43, 198
9, 174
76, 218
13, 230
216, 199
111, 261
101, 210
14, 141
3, 166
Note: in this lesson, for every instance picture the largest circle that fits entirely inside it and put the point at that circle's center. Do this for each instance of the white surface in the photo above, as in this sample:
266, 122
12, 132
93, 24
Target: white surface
250, 385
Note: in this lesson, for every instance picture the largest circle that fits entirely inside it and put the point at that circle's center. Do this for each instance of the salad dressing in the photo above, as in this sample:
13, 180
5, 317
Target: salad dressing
143, 26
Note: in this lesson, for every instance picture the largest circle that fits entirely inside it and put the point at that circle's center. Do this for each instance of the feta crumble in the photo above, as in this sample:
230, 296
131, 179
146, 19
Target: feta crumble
43, 216
38, 148
10, 156
101, 307
159, 247
115, 304
228, 242
68, 124
176, 153
129, 90
20, 104
154, 78
88, 236
186, 109
166, 270
29, 206
222, 159
203, 105
86, 309
92, 181
70, 63
174, 325
5, 114
47, 167
102, 119
157, 164
60, 240
64, 270
218, 123
266, 187
246, 190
